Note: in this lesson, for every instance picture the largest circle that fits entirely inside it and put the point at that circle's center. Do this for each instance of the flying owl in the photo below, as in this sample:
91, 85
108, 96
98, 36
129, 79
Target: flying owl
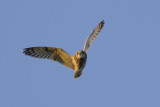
76, 62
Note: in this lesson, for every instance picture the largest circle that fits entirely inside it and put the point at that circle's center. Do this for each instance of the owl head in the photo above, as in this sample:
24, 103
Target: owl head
80, 54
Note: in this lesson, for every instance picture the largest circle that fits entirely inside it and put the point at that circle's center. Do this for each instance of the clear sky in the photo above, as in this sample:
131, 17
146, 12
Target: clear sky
123, 66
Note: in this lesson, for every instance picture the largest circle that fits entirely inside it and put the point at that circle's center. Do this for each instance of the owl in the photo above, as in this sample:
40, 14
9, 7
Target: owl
76, 62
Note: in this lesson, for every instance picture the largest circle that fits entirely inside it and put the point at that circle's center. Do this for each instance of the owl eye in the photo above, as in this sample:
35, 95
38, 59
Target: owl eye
82, 52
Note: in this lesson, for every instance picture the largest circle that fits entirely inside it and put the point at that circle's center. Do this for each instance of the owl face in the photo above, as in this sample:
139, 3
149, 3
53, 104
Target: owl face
80, 54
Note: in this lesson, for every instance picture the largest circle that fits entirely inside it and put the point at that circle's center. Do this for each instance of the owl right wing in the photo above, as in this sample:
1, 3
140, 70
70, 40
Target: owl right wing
56, 54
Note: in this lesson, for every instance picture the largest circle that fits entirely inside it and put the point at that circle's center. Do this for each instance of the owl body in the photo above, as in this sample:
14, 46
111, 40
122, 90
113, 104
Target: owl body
80, 59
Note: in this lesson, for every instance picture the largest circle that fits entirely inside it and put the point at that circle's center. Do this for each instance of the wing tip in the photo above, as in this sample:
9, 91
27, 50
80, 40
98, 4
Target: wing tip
102, 23
27, 51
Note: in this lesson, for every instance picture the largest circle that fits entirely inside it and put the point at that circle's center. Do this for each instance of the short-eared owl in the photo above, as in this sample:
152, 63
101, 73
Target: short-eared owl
76, 62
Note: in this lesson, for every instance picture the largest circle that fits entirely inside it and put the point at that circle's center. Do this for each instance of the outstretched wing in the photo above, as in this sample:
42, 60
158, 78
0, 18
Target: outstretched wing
93, 35
56, 54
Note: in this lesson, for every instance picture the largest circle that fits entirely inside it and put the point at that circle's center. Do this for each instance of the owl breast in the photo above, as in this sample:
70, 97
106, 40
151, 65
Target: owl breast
80, 63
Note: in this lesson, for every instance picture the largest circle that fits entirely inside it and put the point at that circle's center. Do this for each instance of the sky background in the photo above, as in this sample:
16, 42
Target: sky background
123, 65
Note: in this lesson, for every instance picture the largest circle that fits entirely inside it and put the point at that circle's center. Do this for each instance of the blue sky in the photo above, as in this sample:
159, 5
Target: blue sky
123, 65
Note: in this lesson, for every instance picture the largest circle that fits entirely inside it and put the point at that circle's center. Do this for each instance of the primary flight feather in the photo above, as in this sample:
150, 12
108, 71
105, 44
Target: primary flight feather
76, 62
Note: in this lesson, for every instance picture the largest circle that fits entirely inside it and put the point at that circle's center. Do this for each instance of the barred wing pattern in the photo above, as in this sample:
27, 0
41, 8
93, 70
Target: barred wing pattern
93, 35
56, 54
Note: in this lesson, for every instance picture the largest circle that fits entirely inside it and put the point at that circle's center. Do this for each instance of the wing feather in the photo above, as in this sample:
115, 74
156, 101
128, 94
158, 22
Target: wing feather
53, 53
93, 35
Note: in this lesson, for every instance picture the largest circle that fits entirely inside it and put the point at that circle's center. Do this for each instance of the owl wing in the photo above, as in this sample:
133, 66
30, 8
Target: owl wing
93, 35
56, 54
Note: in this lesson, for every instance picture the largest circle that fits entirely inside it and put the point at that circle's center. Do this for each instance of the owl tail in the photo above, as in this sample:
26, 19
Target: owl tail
77, 74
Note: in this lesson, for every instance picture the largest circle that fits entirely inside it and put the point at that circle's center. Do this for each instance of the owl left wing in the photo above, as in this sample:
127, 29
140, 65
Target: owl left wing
53, 53
93, 35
